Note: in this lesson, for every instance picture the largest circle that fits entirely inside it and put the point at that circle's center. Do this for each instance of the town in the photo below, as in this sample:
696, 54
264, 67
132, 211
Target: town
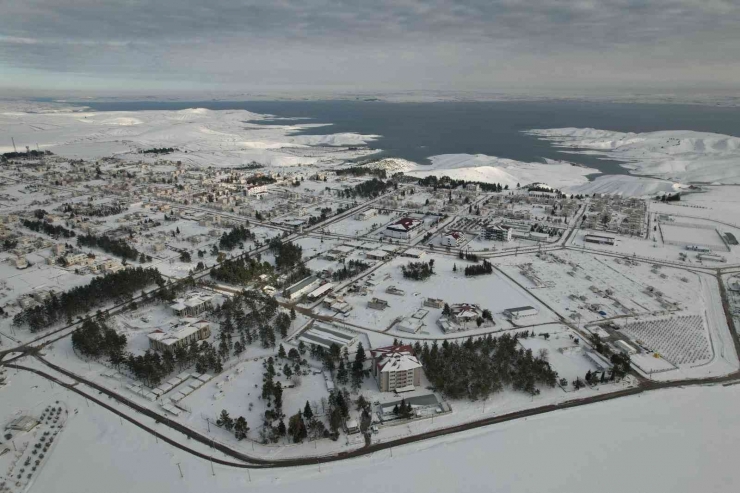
327, 309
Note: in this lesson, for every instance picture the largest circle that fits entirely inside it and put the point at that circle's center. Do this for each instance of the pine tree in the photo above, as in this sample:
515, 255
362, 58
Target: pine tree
292, 313
307, 411
225, 421
281, 352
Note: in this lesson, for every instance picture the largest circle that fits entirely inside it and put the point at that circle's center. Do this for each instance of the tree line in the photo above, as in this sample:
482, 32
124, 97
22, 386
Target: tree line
350, 269
447, 182
118, 286
49, 229
117, 247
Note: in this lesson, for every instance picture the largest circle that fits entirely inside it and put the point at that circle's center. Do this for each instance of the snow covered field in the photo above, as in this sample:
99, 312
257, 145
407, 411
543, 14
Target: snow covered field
609, 444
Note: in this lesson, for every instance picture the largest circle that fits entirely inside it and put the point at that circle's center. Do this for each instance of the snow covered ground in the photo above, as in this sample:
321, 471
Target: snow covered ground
678, 440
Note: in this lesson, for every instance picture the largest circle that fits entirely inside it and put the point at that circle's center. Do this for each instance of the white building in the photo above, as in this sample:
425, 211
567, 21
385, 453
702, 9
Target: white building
404, 229
183, 335
361, 216
255, 189
396, 368
410, 325
453, 238
191, 306
520, 312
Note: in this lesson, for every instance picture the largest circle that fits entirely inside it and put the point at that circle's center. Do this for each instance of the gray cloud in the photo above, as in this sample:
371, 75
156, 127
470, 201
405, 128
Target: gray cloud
469, 44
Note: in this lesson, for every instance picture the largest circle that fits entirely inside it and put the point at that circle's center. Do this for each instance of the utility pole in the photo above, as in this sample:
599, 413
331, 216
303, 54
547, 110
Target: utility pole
13, 140
212, 471
180, 469
249, 475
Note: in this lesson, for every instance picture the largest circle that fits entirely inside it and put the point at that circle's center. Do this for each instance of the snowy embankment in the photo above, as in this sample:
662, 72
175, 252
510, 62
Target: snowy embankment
684, 155
491, 169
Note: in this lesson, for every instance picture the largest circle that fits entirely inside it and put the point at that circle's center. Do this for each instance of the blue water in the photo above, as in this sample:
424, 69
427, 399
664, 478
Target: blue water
416, 131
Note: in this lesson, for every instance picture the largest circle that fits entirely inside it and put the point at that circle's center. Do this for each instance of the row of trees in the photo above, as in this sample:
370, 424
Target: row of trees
117, 286
447, 182
233, 238
336, 360
117, 247
361, 171
49, 229
418, 271
480, 367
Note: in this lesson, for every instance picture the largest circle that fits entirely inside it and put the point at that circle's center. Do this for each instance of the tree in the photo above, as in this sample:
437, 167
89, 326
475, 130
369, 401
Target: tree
225, 421
446, 311
297, 428
185, 256
240, 428
307, 411
342, 374
292, 313
281, 352
454, 267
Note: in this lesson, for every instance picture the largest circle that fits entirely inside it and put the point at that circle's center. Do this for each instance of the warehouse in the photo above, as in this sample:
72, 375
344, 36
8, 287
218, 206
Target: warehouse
601, 240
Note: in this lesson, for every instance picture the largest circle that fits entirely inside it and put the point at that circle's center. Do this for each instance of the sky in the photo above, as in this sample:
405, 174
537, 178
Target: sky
159, 46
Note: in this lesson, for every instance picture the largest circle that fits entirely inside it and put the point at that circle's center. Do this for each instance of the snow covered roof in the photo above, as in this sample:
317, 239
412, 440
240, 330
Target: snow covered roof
395, 358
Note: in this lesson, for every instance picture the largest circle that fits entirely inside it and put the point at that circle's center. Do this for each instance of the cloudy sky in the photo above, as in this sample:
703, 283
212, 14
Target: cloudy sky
359, 45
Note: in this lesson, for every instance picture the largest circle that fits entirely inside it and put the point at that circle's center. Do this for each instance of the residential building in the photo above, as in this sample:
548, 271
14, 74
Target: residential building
377, 304
396, 368
498, 233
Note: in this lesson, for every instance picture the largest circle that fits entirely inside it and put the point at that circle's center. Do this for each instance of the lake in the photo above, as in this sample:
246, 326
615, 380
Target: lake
416, 131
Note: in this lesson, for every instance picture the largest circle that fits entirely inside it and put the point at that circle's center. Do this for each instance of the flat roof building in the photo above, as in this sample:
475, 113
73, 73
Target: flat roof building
302, 287
521, 311
601, 240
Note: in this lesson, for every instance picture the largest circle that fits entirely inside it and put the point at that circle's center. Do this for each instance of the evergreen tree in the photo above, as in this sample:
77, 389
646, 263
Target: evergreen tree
307, 411
225, 421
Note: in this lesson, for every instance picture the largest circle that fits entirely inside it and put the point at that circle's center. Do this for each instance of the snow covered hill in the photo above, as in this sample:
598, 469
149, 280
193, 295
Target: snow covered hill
685, 156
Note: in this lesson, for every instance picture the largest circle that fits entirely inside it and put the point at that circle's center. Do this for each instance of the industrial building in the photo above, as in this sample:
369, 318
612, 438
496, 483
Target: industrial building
601, 240
520, 312
304, 286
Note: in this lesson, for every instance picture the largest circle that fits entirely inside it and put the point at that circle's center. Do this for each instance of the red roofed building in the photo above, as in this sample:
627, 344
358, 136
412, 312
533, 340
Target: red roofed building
396, 368
404, 229
453, 238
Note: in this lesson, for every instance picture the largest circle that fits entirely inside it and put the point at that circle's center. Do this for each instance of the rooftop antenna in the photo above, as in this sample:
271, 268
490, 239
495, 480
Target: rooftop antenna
13, 140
